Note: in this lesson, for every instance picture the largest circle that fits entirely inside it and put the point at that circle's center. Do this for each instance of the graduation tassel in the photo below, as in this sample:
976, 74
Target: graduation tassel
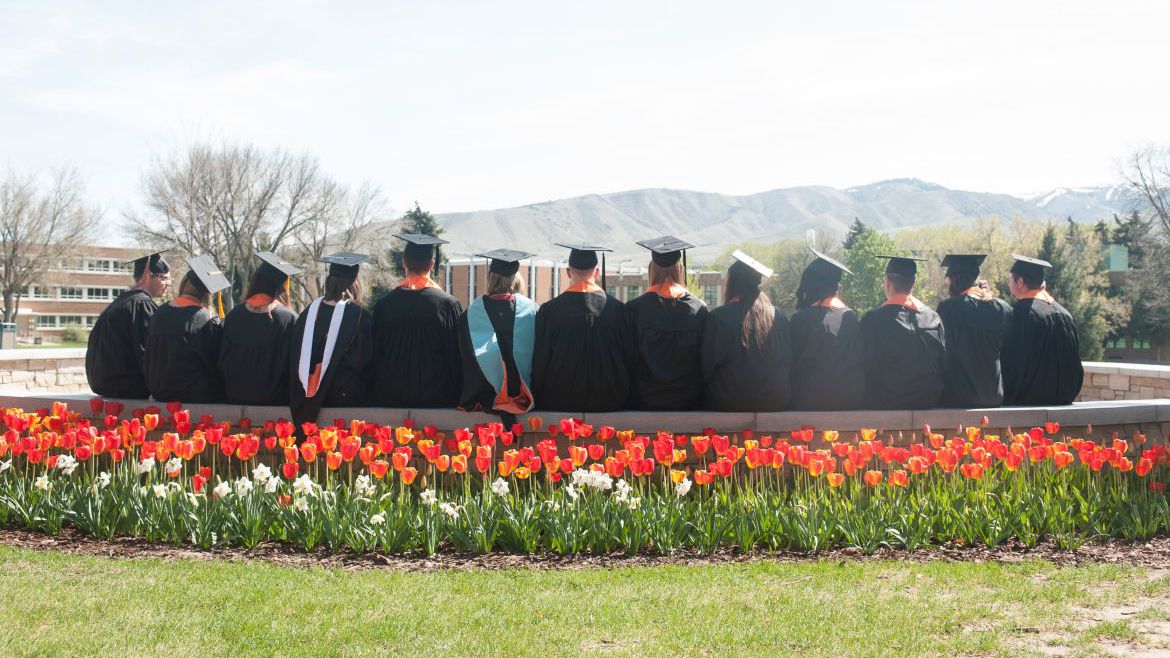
219, 303
684, 268
603, 272
287, 292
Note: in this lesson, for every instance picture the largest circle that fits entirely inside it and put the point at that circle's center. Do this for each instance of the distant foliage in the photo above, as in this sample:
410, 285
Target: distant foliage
864, 289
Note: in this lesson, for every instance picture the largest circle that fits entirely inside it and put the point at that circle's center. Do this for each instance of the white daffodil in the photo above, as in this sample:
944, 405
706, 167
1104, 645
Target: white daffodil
43, 483
428, 497
102, 480
304, 485
4, 466
377, 519
174, 465
363, 486
261, 474
571, 491
145, 466
622, 491
243, 486
450, 509
301, 505
272, 485
682, 488
174, 487
593, 479
192, 499
222, 489
159, 490
634, 503
500, 487
67, 464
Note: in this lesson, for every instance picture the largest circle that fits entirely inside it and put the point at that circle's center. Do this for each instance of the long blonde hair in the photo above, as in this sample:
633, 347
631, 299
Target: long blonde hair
660, 274
503, 284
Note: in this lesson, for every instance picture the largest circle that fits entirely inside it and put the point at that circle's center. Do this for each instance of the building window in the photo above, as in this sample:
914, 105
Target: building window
46, 321
711, 295
1141, 343
632, 292
69, 293
1116, 343
97, 293
69, 320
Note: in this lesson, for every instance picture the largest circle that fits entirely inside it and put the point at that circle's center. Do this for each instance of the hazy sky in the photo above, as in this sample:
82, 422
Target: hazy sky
466, 106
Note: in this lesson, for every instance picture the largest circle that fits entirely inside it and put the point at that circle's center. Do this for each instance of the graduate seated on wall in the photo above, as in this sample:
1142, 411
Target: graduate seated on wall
115, 361
828, 353
584, 346
746, 345
332, 345
1041, 355
182, 349
668, 324
416, 335
976, 323
497, 335
253, 357
905, 347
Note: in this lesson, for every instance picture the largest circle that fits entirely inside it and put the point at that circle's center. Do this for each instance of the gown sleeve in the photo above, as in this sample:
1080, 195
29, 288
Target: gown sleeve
140, 329
540, 349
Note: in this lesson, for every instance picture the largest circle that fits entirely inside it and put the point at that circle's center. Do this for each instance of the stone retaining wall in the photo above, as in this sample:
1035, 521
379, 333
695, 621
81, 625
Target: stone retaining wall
48, 369
1124, 381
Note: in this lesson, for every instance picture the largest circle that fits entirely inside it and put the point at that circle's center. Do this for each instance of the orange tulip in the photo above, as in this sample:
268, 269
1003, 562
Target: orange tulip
522, 472
379, 467
830, 435
333, 460
899, 478
443, 463
535, 423
972, 471
677, 476
1144, 465
309, 452
1062, 459
815, 468
578, 454
835, 479
409, 474
150, 421
868, 434
459, 463
872, 478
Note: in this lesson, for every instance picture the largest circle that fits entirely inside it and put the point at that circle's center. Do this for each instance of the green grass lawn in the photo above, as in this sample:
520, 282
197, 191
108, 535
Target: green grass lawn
58, 604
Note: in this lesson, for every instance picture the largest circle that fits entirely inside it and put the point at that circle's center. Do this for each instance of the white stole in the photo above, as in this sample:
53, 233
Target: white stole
304, 367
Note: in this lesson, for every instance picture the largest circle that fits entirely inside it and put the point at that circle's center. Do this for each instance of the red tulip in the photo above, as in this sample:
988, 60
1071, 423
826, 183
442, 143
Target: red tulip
409, 474
290, 470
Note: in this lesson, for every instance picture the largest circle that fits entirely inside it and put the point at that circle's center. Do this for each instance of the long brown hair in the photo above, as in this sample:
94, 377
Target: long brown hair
505, 284
660, 274
743, 284
337, 288
192, 287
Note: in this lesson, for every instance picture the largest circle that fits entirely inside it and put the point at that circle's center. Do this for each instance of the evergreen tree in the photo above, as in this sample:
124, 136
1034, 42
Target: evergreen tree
855, 230
415, 220
864, 289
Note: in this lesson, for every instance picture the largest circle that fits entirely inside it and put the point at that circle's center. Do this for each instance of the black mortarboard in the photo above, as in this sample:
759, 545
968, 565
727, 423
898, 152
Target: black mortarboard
274, 268
1031, 267
344, 264
153, 260
764, 271
505, 261
904, 265
208, 273
583, 256
826, 267
963, 262
666, 250
420, 246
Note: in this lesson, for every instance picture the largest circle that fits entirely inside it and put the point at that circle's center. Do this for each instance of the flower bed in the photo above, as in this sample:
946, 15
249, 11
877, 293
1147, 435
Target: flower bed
565, 488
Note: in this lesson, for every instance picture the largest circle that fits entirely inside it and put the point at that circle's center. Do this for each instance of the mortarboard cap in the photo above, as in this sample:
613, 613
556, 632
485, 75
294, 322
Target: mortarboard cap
344, 264
208, 273
152, 261
275, 269
764, 271
666, 250
1030, 267
505, 261
420, 246
904, 265
963, 262
826, 267
582, 255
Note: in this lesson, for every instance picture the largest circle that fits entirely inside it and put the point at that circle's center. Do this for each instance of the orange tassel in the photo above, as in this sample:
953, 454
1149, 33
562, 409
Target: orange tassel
287, 291
219, 303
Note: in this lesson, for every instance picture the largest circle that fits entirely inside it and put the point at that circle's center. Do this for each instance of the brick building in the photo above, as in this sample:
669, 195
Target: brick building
74, 292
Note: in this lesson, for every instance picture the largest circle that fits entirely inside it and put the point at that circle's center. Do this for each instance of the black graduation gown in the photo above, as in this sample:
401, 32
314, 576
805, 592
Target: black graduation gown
583, 353
1041, 355
253, 357
828, 359
182, 353
905, 357
345, 383
975, 330
114, 363
477, 393
416, 338
667, 334
738, 379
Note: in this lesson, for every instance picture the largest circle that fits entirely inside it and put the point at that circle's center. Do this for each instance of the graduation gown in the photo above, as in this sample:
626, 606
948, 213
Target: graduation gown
975, 329
114, 362
584, 349
496, 341
345, 382
416, 338
905, 356
739, 379
253, 357
182, 355
828, 359
1041, 355
667, 334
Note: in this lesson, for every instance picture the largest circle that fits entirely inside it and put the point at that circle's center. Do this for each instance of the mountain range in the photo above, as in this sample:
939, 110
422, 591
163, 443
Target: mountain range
711, 220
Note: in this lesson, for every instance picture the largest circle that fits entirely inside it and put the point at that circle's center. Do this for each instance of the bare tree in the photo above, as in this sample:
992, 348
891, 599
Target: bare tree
232, 200
353, 223
1148, 173
43, 224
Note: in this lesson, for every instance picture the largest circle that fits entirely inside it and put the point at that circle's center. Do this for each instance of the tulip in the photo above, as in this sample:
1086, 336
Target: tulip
1144, 465
899, 478
379, 467
872, 478
290, 470
868, 434
1051, 427
333, 460
834, 479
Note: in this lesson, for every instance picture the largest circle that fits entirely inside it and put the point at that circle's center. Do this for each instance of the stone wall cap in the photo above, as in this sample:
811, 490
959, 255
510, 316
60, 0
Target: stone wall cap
38, 354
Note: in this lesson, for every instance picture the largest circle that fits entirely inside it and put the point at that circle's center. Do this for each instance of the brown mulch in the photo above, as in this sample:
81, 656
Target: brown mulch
1152, 554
